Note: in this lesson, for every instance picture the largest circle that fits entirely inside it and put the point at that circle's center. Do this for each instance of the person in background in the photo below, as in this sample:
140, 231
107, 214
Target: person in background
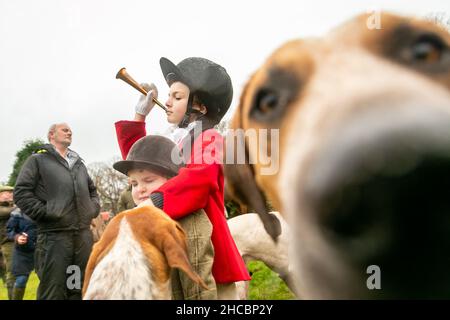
54, 189
7, 245
22, 230
2, 268
125, 200
98, 225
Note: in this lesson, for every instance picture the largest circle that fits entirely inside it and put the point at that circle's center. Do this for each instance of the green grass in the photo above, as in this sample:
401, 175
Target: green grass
265, 285
30, 292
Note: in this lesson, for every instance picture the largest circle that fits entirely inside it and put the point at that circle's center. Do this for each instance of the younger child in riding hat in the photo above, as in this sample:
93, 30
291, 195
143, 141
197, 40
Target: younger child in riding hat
149, 165
200, 94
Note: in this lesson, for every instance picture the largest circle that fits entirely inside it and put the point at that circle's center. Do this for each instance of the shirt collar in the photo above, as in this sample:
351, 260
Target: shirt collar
70, 153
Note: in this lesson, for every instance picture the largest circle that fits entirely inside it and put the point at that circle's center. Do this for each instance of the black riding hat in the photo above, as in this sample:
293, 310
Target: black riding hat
153, 152
209, 81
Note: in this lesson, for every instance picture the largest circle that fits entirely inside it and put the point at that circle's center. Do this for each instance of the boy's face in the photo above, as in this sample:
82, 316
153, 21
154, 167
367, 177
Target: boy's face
177, 102
143, 183
6, 196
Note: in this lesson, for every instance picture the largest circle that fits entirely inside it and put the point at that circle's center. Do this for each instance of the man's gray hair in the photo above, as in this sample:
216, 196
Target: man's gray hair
51, 130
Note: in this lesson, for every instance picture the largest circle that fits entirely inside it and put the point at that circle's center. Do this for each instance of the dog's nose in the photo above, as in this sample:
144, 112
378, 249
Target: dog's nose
379, 189
379, 142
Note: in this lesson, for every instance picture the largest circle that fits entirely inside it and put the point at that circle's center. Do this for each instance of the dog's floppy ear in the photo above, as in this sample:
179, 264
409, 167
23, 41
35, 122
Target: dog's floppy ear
175, 250
242, 184
240, 178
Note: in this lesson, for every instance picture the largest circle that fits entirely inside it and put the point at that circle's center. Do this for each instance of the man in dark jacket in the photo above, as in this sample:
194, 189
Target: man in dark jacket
54, 189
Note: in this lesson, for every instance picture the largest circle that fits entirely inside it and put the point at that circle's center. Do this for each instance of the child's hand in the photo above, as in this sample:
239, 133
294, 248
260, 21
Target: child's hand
22, 238
147, 202
146, 103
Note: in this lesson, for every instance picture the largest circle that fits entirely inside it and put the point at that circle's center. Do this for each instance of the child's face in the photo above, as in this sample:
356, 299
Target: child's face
143, 183
177, 102
6, 196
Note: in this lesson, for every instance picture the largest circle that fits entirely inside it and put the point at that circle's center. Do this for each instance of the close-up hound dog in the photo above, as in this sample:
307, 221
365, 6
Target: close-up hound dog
364, 156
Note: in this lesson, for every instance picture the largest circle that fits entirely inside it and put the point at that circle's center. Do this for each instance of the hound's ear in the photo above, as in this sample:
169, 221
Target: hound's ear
242, 185
240, 178
242, 188
175, 250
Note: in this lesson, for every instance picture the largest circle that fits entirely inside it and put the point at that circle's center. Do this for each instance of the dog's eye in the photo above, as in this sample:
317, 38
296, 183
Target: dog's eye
268, 106
274, 96
423, 50
426, 52
427, 49
266, 102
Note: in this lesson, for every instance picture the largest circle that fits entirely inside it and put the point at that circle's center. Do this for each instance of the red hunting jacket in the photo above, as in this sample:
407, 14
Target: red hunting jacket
199, 185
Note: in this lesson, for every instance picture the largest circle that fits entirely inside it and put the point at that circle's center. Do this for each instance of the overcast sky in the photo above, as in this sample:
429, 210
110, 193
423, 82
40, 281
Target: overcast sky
58, 58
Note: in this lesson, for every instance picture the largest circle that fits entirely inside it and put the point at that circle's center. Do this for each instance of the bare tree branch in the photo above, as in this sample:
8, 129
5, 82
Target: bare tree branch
109, 183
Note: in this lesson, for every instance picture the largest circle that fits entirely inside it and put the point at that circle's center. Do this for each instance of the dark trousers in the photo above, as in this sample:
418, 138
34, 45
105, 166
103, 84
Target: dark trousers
7, 251
55, 253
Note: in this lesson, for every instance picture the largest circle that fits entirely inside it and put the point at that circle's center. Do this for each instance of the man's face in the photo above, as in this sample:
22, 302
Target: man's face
6, 196
62, 135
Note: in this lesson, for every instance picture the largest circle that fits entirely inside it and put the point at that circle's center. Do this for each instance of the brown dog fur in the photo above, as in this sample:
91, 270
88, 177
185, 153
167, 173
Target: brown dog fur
321, 85
162, 239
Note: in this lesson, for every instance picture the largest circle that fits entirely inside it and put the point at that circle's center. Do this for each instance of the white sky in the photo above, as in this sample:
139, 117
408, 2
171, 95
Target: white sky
58, 58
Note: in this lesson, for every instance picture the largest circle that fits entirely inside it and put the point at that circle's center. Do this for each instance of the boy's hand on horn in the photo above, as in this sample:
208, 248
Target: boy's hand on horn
146, 103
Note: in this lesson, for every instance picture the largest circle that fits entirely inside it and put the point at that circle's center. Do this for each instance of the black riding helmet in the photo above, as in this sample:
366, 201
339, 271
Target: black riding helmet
207, 80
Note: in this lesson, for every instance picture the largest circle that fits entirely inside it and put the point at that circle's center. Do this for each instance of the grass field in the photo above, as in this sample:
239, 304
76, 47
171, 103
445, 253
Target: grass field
30, 293
265, 285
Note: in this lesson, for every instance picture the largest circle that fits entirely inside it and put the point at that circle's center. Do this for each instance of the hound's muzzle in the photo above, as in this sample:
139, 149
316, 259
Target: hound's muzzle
370, 186
379, 191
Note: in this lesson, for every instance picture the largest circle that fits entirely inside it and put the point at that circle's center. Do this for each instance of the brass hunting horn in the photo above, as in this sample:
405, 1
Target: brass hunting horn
123, 75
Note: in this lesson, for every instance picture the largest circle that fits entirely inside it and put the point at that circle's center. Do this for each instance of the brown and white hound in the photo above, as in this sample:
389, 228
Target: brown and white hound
364, 154
134, 256
254, 244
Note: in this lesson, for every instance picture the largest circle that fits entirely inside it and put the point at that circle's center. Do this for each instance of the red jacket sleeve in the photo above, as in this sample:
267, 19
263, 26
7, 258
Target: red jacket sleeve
128, 132
191, 189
